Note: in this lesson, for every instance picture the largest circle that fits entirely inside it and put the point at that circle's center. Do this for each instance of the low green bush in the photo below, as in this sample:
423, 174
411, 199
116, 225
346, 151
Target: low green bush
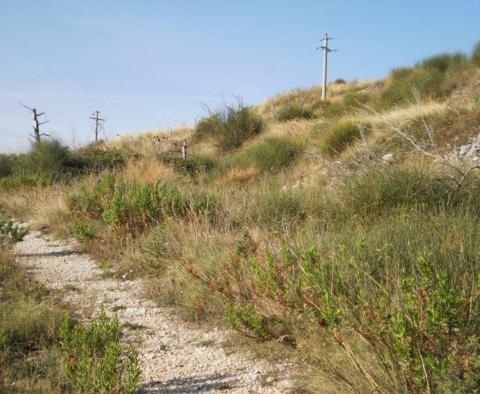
475, 58
397, 284
95, 359
230, 126
337, 137
269, 155
6, 165
353, 99
291, 112
130, 207
246, 320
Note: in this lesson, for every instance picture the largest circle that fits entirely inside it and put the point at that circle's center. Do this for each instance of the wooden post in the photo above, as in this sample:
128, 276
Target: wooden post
184, 149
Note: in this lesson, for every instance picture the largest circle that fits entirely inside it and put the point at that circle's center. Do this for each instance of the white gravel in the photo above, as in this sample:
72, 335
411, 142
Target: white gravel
174, 357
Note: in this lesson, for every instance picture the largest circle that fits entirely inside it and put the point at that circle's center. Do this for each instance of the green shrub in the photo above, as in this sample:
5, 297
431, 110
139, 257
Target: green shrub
11, 232
383, 190
130, 207
94, 158
291, 112
247, 320
196, 165
6, 165
270, 155
338, 137
95, 360
230, 127
400, 286
476, 55
352, 99
276, 208
340, 81
445, 62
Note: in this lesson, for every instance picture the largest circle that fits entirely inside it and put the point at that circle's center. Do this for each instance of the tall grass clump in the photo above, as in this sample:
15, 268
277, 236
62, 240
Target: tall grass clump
294, 111
230, 127
338, 136
268, 155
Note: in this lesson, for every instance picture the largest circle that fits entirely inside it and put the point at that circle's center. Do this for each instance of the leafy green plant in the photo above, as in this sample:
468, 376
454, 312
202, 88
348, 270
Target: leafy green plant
95, 359
247, 320
230, 126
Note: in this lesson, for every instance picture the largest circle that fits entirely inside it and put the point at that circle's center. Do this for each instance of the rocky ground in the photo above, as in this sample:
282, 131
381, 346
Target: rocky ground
174, 357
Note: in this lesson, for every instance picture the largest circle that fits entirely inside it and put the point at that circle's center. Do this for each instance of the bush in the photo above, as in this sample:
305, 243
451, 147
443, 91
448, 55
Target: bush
476, 55
340, 81
427, 81
352, 99
95, 360
130, 207
291, 112
399, 286
445, 62
6, 165
338, 137
270, 155
230, 127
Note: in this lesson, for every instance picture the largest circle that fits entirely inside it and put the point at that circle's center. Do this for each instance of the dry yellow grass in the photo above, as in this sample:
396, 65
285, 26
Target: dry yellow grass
151, 142
147, 170
240, 175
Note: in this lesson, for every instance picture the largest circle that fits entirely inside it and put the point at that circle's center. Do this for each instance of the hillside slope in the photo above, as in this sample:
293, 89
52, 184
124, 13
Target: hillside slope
341, 235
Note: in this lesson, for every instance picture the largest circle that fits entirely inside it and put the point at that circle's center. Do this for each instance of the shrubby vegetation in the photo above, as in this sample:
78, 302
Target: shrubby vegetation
43, 350
230, 127
292, 112
295, 235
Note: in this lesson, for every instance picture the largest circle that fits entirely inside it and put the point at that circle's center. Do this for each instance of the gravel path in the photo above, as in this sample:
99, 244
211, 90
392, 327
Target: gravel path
174, 358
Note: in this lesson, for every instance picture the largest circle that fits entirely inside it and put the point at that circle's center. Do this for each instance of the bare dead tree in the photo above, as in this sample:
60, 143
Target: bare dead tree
36, 123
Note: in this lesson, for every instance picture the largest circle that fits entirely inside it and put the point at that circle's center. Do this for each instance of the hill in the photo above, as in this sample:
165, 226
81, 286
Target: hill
341, 234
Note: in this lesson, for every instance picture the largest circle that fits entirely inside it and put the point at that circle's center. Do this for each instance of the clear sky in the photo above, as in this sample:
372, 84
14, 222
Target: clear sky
149, 64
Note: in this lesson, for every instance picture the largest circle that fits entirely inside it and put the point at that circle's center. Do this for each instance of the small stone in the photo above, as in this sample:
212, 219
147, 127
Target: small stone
388, 157
286, 384
270, 380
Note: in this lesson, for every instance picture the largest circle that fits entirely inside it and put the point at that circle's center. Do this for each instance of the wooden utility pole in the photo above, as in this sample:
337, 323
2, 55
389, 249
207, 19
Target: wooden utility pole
36, 123
326, 51
98, 125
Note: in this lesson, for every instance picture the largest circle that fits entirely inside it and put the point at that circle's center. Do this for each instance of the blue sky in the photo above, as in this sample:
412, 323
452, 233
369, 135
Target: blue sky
149, 64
